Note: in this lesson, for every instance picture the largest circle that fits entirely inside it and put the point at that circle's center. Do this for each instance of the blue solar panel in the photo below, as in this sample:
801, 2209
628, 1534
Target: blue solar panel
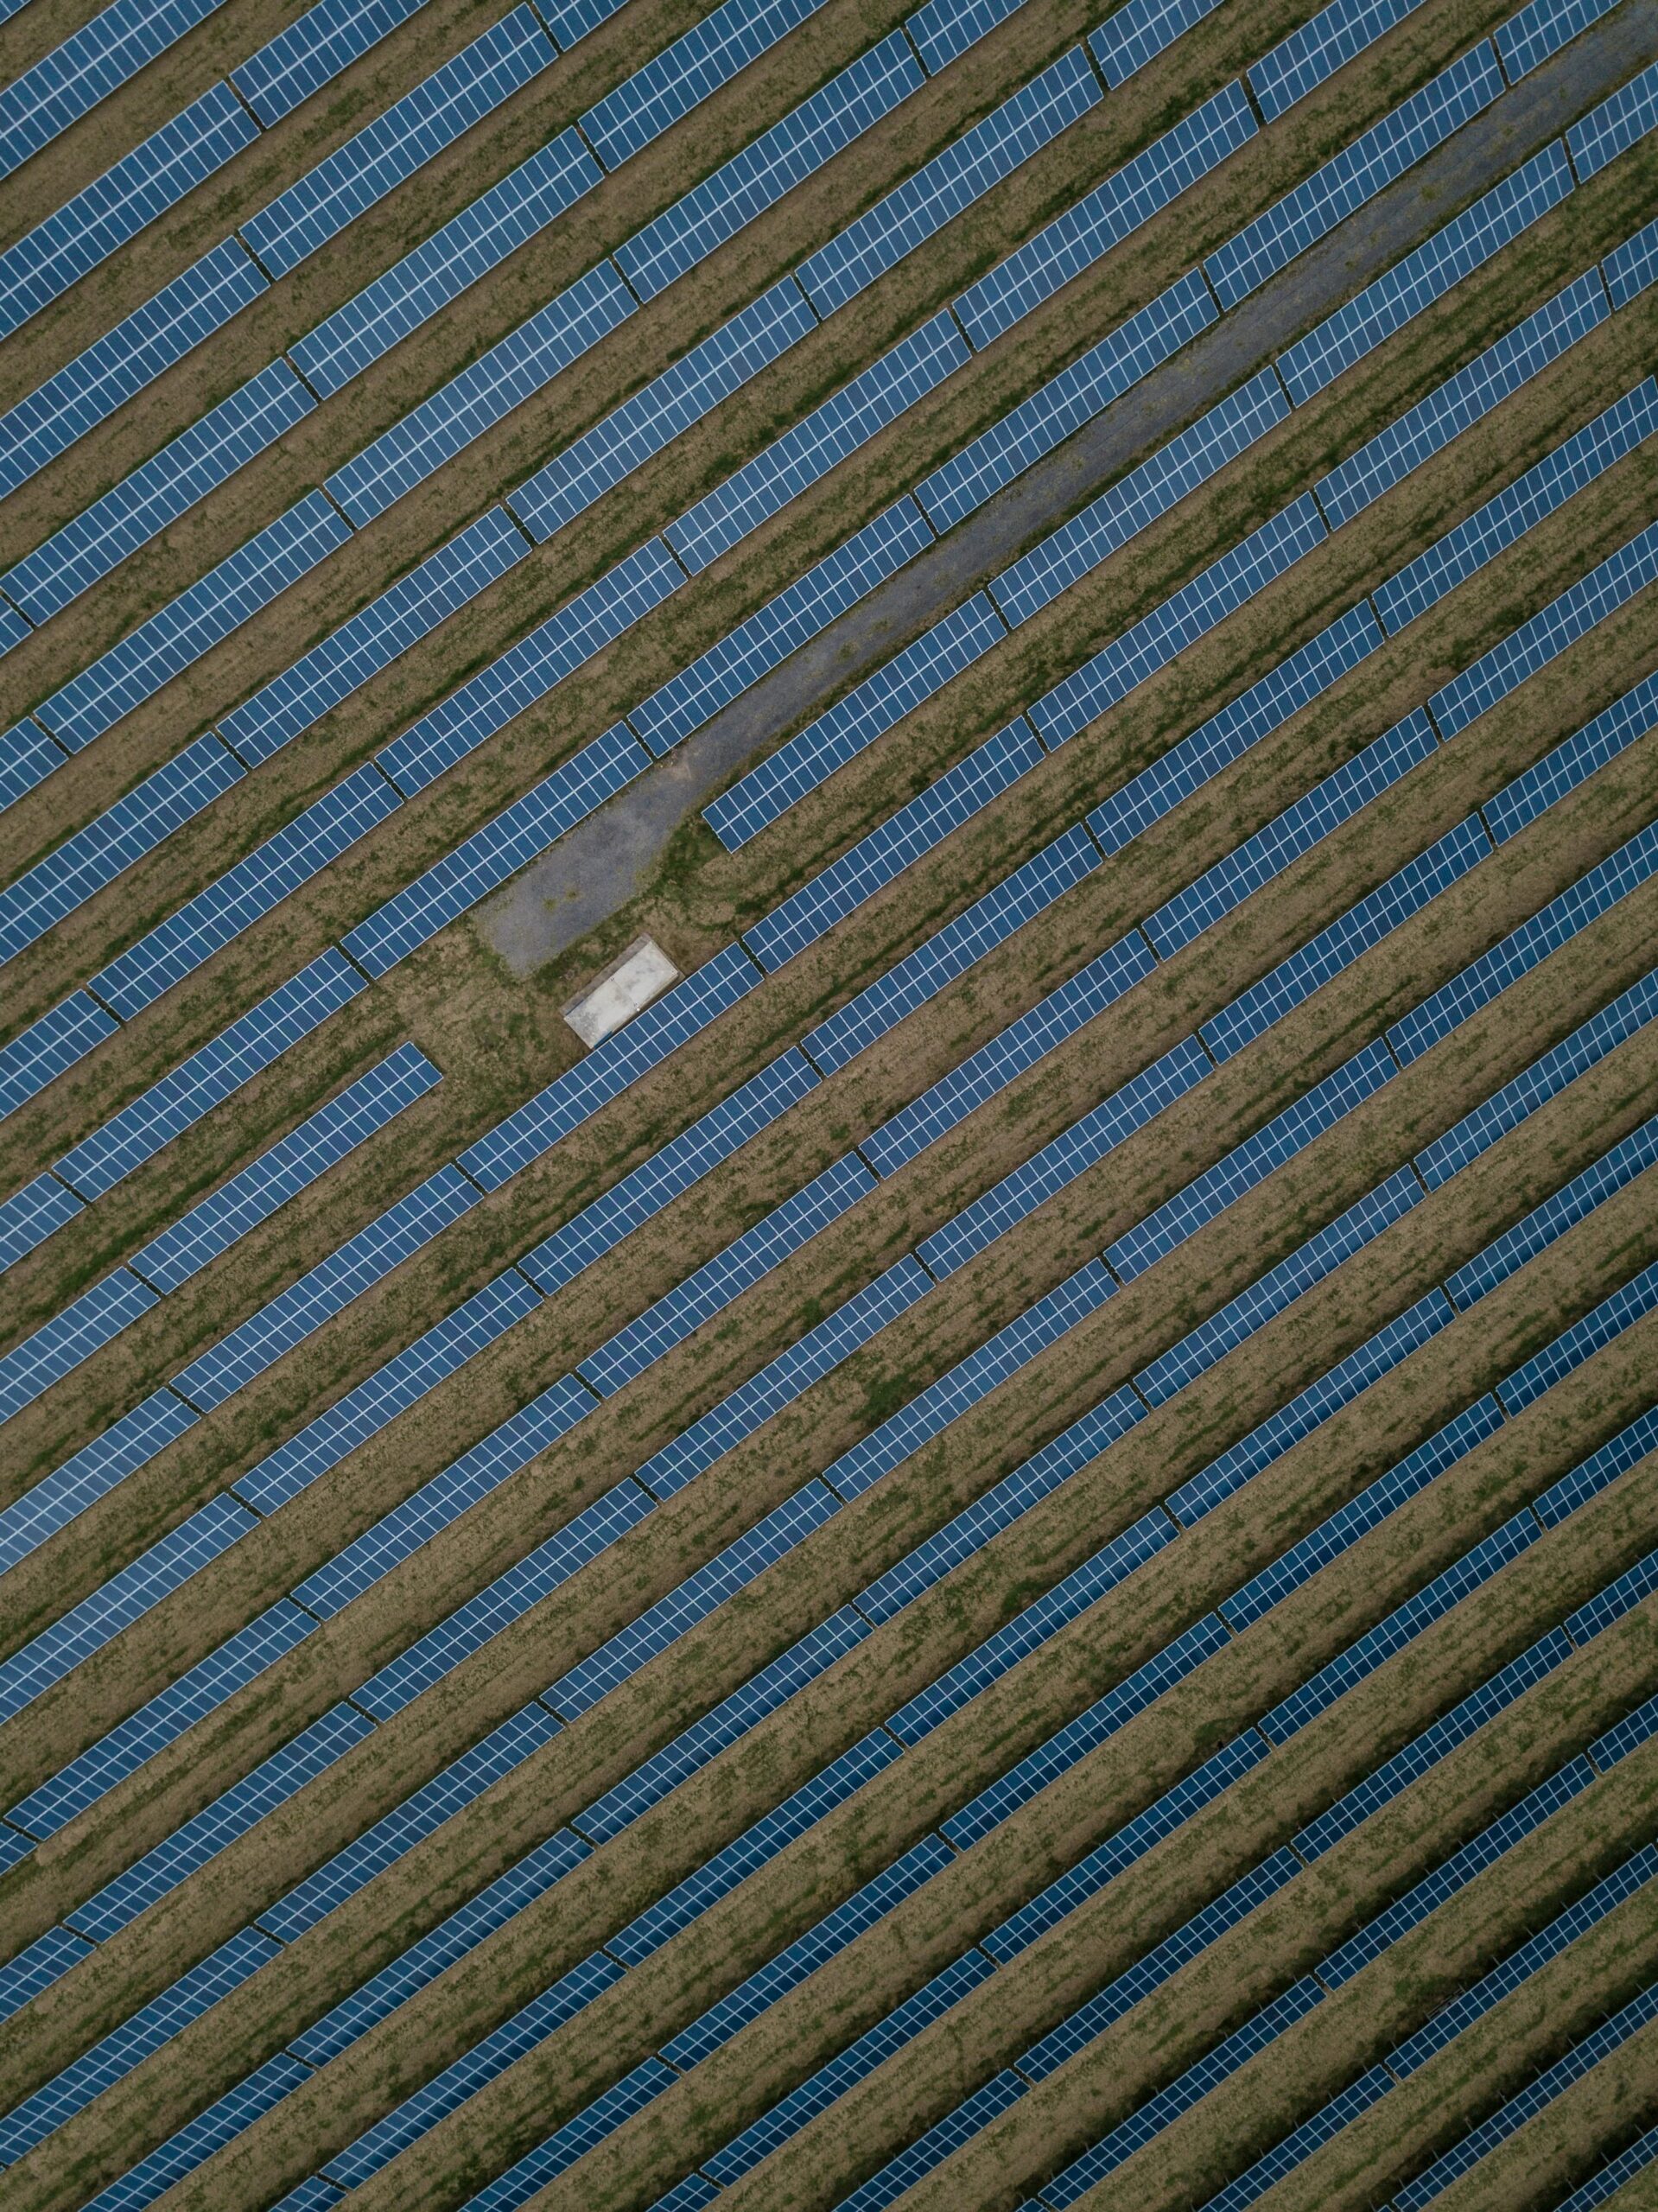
359, 1263
673, 1168
1218, 591
569, 20
951, 952
1225, 737
930, 2150
1602, 2186
661, 1625
52, 1043
1258, 860
141, 2034
711, 1288
197, 2140
89, 389
1616, 125
680, 396
771, 165
1596, 1473
943, 29
1608, 586
45, 1960
1075, 396
526, 672
684, 74
1542, 29
1137, 33
1411, 285
1136, 501
1461, 552
466, 248
618, 1061
1572, 761
513, 370
854, 723
125, 1596
326, 39
875, 860
1615, 1601
576, 2137
1103, 218
27, 756
1062, 1158
374, 637
90, 63
1019, 1047
1347, 938
61, 1345
813, 446
201, 1689
952, 180
1301, 2142
143, 185
1540, 1228
129, 1443
817, 1353
784, 623
1293, 68
1635, 1729
474, 84
195, 622
1630, 268
1597, 1328
1523, 948
1346, 182
31, 1215
83, 863
454, 884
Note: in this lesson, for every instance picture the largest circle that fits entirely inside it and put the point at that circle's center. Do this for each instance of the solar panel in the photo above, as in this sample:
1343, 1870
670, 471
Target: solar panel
65, 84
1464, 245
969, 1381
482, 394
13, 629
854, 723
576, 2137
951, 952
35, 1967
443, 266
503, 1601
1104, 217
1065, 401
92, 1471
31, 1215
1602, 2186
943, 29
782, 626
808, 450
968, 168
1631, 267
1225, 737
574, 19
1136, 501
1542, 29
197, 2140
1181, 619
711, 1288
1297, 64
684, 74
1062, 1158
821, 1350
670, 404
1503, 520
1355, 176
620, 1059
291, 227
373, 638
930, 2149
128, 1594
451, 887
876, 860
1572, 761
1598, 1471
769, 166
1301, 2142
191, 625
1635, 1729
1616, 125
71, 1337
526, 672
85, 862
201, 1689
89, 389
1346, 939
27, 756
1597, 1328
1539, 1228
1462, 400
1301, 827
138, 2036
54, 1041
116, 206
1615, 1601
1134, 35
987, 1072
295, 1314
662, 1624
311, 52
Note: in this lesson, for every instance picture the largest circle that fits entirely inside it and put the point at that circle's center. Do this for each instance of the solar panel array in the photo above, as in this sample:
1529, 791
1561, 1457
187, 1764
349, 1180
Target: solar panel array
89, 64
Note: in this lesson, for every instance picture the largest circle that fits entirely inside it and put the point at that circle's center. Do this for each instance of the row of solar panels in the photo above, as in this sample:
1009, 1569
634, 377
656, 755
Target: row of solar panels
520, 1736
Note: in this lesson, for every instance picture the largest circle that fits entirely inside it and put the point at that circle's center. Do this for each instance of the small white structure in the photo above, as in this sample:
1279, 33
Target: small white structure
628, 985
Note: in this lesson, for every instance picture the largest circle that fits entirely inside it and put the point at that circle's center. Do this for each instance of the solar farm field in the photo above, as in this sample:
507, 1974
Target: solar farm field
828, 1105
